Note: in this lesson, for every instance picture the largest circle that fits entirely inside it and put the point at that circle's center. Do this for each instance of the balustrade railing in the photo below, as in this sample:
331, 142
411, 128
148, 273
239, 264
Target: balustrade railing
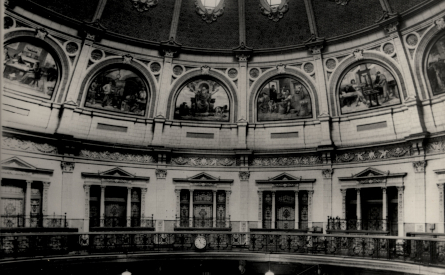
112, 221
357, 224
284, 224
33, 220
412, 250
184, 222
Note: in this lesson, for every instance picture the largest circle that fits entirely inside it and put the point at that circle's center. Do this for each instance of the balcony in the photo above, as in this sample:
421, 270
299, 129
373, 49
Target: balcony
34, 221
368, 226
113, 223
185, 223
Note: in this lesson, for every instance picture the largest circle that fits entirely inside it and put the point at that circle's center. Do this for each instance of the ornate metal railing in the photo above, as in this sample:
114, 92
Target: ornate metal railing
284, 224
112, 221
412, 250
34, 220
184, 222
355, 224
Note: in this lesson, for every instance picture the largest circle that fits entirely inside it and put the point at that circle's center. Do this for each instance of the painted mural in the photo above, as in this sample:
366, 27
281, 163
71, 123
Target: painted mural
283, 98
436, 67
29, 68
204, 100
118, 90
367, 86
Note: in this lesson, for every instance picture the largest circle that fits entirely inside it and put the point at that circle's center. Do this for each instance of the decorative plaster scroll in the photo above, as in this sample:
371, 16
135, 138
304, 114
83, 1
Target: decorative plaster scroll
340, 2
144, 5
67, 167
209, 14
327, 173
117, 156
26, 145
440, 23
275, 12
126, 59
286, 161
384, 153
41, 33
358, 54
419, 166
244, 176
198, 161
161, 173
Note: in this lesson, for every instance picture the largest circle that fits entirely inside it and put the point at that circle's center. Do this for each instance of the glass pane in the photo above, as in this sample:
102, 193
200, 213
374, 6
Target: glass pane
210, 3
274, 2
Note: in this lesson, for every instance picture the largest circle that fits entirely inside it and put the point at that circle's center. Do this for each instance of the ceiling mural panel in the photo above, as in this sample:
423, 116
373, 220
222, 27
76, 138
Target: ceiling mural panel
436, 67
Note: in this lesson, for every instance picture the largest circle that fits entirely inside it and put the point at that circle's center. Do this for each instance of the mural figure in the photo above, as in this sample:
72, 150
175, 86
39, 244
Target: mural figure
202, 99
283, 98
436, 67
118, 90
30, 69
367, 86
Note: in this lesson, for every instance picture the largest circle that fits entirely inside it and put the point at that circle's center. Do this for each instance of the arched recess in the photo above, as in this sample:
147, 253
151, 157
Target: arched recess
62, 59
305, 79
430, 37
179, 83
117, 62
348, 62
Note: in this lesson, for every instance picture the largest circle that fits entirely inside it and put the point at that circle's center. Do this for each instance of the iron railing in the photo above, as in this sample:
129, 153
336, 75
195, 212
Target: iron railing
184, 222
357, 224
284, 224
411, 250
33, 220
112, 221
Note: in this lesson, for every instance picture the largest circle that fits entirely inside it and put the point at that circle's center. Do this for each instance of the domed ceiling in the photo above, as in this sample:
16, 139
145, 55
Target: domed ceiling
333, 18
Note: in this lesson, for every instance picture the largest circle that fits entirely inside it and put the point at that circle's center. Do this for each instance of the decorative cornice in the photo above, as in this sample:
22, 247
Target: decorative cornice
242, 52
315, 44
144, 5
274, 13
207, 14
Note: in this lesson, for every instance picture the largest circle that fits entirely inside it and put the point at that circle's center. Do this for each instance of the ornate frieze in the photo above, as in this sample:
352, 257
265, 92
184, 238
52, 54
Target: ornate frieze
274, 12
285, 185
374, 154
244, 175
286, 161
202, 161
67, 167
161, 173
370, 181
419, 166
27, 145
105, 155
116, 180
144, 5
209, 14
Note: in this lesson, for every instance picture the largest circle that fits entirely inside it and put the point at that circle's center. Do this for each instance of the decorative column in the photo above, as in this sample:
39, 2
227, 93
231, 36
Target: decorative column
297, 210
343, 204
86, 219
385, 209
143, 198
440, 227
260, 209
310, 196
178, 207
244, 194
28, 203
420, 195
359, 210
214, 208
191, 209
327, 194
400, 220
102, 206
45, 198
273, 210
67, 185
128, 206
228, 208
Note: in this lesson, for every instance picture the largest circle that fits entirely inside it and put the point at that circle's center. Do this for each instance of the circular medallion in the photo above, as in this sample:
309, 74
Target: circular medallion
388, 48
155, 67
96, 55
71, 47
412, 40
177, 70
331, 64
233, 73
308, 68
254, 73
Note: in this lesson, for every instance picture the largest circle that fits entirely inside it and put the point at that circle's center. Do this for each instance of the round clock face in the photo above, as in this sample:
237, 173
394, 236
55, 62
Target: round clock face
200, 242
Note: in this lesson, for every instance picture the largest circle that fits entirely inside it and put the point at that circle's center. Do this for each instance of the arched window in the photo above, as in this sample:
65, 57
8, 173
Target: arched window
367, 86
31, 67
203, 99
435, 67
118, 89
283, 98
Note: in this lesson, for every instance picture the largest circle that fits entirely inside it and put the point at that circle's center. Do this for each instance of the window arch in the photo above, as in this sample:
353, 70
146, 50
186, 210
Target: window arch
283, 97
203, 98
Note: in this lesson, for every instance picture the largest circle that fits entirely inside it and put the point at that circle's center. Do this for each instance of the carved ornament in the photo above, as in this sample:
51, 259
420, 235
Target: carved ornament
384, 153
144, 5
205, 70
358, 54
436, 146
198, 161
242, 52
327, 173
126, 59
41, 33
67, 167
170, 47
286, 161
244, 175
26, 145
419, 166
209, 14
161, 173
275, 12
117, 156
440, 23
281, 68
285, 185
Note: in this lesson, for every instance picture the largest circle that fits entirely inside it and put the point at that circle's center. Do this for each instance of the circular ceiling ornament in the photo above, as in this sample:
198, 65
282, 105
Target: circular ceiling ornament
232, 73
97, 55
178, 70
254, 73
155, 67
388, 48
412, 40
71, 47
308, 68
331, 64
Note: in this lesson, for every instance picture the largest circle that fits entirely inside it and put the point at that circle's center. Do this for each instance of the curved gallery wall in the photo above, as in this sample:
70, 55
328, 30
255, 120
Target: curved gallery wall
122, 130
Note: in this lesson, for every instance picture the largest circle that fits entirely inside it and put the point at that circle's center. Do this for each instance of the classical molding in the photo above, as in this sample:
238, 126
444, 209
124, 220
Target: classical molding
67, 167
203, 161
274, 13
386, 152
372, 177
244, 175
115, 175
161, 173
286, 161
144, 5
116, 156
209, 14
419, 166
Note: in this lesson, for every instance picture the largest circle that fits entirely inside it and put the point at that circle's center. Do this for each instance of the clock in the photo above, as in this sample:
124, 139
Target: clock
200, 242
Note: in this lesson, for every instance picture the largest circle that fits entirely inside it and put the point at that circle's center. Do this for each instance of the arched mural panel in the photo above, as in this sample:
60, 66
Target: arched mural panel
31, 67
203, 98
435, 67
283, 98
366, 86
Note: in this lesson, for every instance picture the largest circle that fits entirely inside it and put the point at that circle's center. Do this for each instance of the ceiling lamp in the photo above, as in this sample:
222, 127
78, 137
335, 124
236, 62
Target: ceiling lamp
126, 272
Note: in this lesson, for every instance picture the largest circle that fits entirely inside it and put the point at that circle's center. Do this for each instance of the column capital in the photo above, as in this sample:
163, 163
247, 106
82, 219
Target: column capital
228, 192
343, 191
273, 192
400, 188
144, 190
384, 189
214, 192
296, 192
67, 166
260, 192
46, 184
86, 187
102, 187
29, 181
358, 190
327, 173
310, 192
177, 191
419, 166
244, 175
440, 185
129, 187
161, 173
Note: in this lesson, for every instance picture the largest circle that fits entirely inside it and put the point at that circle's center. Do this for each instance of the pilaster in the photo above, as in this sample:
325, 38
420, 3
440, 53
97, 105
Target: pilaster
86, 217
67, 183
45, 198
327, 194
440, 227
400, 206
28, 203
343, 204
260, 209
310, 205
420, 194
